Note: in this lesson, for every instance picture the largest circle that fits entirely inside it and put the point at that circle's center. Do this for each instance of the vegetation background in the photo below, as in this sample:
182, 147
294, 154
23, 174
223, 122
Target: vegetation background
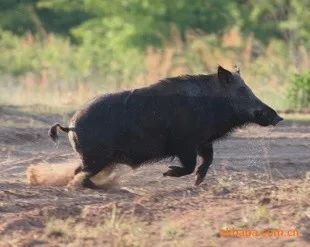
62, 53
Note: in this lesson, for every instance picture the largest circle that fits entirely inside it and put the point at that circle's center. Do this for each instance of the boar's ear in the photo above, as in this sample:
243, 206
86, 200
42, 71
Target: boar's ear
237, 69
224, 75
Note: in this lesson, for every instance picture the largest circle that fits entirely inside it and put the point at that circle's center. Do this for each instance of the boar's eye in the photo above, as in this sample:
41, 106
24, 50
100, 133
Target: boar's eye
242, 90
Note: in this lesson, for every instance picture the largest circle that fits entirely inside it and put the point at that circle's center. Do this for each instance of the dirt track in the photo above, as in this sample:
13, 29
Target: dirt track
256, 169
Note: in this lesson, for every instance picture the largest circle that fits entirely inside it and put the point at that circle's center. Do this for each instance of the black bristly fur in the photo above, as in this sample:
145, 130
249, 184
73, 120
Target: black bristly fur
176, 117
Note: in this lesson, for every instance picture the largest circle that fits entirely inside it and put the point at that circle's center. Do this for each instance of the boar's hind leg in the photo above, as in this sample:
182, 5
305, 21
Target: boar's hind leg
84, 173
188, 160
206, 152
82, 179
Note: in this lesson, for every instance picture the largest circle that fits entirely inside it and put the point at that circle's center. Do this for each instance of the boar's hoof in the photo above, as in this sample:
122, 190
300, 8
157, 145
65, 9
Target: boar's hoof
199, 179
81, 180
200, 174
87, 183
176, 171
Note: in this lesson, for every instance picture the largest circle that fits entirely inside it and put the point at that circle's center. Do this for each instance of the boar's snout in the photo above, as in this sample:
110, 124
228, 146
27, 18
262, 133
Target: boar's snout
266, 116
276, 120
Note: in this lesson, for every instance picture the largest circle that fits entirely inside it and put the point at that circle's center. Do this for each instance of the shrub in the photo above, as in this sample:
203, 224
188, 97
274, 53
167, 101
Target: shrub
299, 91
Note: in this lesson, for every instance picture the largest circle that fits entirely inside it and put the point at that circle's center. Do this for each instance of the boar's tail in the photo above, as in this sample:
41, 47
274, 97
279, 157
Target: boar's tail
53, 131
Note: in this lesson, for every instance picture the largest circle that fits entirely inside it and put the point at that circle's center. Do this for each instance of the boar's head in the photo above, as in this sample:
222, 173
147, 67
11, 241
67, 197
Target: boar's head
247, 107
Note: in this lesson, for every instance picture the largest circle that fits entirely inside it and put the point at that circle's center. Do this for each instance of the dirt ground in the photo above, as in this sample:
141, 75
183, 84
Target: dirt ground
259, 180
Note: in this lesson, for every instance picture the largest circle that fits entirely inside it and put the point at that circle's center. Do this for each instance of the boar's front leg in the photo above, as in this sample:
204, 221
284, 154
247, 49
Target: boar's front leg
188, 160
206, 152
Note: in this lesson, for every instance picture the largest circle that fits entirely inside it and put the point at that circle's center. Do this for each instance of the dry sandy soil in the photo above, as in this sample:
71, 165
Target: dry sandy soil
259, 180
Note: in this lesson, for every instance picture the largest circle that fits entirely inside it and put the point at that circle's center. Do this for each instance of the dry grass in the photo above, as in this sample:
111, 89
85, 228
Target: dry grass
179, 223
262, 67
115, 231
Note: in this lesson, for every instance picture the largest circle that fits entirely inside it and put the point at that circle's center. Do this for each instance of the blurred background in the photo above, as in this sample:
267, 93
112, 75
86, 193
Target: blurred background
60, 53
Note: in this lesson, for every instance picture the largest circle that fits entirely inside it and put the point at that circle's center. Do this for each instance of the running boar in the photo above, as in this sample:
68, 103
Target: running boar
176, 117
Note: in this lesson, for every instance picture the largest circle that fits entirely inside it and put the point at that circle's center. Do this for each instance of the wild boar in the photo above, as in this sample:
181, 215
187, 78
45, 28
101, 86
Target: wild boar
175, 117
